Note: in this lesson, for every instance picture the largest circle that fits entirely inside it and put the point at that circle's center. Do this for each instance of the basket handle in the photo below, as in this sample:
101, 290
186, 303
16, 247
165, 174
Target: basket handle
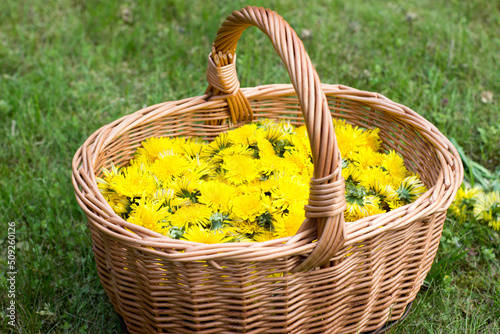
326, 198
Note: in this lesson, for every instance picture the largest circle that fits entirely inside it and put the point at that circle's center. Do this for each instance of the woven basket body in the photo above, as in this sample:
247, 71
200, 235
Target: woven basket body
374, 266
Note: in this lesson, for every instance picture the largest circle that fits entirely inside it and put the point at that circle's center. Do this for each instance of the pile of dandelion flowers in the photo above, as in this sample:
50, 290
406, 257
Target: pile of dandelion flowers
251, 183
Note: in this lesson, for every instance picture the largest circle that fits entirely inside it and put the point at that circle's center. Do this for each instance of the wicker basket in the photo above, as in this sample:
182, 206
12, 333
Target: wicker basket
334, 277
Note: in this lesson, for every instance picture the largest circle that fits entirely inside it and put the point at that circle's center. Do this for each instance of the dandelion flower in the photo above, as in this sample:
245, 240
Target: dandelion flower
151, 215
366, 158
369, 205
349, 139
216, 195
195, 214
247, 227
192, 147
236, 149
244, 135
395, 166
263, 236
110, 176
120, 204
359, 203
152, 147
274, 132
302, 163
352, 173
197, 233
198, 169
289, 190
221, 142
395, 204
373, 139
379, 182
465, 200
185, 188
410, 189
169, 166
266, 149
247, 207
487, 209
164, 196
288, 224
300, 142
240, 169
275, 164
135, 181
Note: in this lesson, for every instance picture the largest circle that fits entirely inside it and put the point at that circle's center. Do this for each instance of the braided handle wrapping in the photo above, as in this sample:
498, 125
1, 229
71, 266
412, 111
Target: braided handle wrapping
326, 199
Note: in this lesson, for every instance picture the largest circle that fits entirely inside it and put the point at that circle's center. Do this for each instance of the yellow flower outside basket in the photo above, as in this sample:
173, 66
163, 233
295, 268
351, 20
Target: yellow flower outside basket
332, 276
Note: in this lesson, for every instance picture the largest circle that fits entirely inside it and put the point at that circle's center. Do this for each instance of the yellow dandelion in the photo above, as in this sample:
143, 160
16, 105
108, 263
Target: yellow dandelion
286, 127
192, 147
410, 189
362, 207
198, 169
110, 176
366, 157
359, 202
236, 149
465, 200
375, 208
274, 131
300, 141
238, 237
195, 214
247, 227
266, 149
152, 147
244, 135
288, 224
166, 167
337, 122
240, 169
216, 195
302, 164
141, 157
349, 139
197, 233
135, 181
151, 215
275, 164
185, 187
263, 236
373, 139
394, 165
164, 196
395, 204
290, 190
374, 177
263, 187
378, 181
353, 173
247, 207
220, 142
487, 209
120, 204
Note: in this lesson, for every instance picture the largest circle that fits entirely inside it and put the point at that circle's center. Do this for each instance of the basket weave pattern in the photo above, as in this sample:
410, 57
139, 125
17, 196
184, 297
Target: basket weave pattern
332, 276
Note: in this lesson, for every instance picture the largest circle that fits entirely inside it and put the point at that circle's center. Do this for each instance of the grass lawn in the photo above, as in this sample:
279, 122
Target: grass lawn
68, 67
